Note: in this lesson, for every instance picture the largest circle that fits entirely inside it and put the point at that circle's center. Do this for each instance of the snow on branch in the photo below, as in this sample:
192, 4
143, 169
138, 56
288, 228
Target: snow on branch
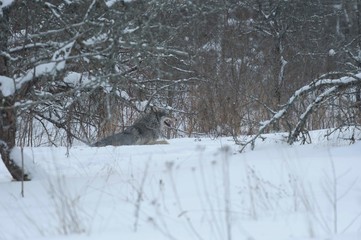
57, 63
330, 88
9, 86
302, 121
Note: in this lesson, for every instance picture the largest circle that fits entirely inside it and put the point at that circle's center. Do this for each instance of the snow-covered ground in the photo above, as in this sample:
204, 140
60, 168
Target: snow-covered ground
188, 189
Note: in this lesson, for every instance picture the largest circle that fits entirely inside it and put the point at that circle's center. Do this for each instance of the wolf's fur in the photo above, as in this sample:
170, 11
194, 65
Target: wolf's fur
146, 130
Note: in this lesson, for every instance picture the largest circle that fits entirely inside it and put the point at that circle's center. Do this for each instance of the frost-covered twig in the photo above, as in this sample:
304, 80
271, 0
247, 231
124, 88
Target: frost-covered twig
333, 86
140, 193
302, 121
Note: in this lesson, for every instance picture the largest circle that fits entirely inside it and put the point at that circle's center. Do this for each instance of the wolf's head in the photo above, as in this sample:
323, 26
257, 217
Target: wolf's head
163, 118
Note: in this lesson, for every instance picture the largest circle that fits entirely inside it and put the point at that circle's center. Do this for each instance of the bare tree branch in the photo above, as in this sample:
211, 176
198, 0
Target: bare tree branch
331, 86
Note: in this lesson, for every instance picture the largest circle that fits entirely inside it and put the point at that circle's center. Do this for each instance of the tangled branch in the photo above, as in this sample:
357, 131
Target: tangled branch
329, 88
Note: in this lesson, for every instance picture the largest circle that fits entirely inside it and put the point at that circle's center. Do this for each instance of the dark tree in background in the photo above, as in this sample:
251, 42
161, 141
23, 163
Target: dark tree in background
269, 49
81, 70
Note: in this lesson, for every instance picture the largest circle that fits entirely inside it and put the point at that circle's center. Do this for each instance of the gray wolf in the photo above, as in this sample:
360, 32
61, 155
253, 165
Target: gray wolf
145, 130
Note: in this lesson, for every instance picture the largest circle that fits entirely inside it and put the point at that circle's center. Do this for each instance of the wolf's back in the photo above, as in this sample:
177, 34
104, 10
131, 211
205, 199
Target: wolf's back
118, 139
137, 134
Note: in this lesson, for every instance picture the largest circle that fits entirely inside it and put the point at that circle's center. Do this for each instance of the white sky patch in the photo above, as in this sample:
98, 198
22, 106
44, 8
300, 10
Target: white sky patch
77, 79
331, 52
73, 78
110, 3
140, 105
7, 86
123, 94
107, 87
211, 45
5, 3
233, 22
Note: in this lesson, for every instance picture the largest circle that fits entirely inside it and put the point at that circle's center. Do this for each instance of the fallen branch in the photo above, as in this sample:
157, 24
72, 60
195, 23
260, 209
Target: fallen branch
332, 88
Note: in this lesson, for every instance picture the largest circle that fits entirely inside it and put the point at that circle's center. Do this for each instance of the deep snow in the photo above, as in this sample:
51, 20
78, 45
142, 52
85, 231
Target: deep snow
188, 189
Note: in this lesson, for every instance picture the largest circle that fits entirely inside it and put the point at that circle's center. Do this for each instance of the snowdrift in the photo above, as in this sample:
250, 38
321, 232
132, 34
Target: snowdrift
189, 189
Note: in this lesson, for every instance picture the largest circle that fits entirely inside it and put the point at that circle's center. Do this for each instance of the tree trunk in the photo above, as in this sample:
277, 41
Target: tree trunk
7, 109
358, 89
7, 138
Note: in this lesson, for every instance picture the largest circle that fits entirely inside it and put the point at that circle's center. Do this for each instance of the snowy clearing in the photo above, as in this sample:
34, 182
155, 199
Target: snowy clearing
189, 189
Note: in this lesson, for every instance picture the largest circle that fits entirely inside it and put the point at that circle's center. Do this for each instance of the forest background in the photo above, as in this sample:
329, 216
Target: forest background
85, 69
